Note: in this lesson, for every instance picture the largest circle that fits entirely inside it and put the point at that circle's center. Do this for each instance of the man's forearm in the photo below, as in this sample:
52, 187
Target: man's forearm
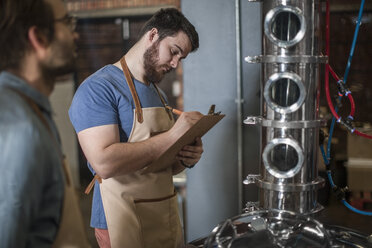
109, 157
123, 158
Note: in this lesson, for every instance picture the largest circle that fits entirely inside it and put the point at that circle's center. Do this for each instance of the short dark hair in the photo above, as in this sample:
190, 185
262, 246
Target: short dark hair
169, 22
16, 17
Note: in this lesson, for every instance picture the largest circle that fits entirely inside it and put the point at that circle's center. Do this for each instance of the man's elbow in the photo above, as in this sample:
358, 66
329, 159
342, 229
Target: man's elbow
103, 170
104, 175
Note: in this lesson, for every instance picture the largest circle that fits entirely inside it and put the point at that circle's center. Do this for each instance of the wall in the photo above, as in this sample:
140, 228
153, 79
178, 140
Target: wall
87, 5
210, 77
60, 100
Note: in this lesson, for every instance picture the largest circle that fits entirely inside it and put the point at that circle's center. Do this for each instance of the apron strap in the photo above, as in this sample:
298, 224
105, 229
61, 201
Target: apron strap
164, 103
36, 110
41, 117
91, 184
132, 89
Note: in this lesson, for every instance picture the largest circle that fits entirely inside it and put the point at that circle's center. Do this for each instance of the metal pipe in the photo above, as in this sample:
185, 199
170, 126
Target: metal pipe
239, 101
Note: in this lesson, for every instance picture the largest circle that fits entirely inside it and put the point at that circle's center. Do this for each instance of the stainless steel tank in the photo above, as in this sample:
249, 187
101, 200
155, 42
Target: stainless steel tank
280, 229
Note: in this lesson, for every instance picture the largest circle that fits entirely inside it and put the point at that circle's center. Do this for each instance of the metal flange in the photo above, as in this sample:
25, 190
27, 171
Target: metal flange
295, 59
285, 187
257, 120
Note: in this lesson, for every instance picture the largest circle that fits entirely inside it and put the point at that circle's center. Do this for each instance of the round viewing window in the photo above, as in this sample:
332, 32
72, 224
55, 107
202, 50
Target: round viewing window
283, 157
285, 26
284, 92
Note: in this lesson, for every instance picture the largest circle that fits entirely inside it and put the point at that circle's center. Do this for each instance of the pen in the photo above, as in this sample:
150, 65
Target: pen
174, 111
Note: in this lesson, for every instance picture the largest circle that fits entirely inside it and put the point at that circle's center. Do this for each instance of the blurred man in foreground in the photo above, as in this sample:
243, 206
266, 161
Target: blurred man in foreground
38, 207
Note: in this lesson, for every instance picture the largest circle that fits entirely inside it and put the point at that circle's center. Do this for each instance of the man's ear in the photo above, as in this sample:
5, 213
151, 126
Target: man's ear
38, 41
153, 35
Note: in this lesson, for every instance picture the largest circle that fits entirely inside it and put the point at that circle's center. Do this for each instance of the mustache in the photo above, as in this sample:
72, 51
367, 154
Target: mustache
168, 69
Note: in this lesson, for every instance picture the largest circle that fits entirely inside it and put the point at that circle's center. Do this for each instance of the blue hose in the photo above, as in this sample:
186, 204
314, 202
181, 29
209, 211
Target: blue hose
326, 161
354, 41
330, 179
328, 156
344, 201
346, 71
356, 210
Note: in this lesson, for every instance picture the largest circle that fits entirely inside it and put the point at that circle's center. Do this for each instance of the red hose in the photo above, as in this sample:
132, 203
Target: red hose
334, 74
329, 101
352, 105
328, 69
351, 99
363, 134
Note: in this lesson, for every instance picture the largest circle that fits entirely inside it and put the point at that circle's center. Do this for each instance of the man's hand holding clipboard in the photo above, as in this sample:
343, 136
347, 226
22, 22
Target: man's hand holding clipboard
198, 125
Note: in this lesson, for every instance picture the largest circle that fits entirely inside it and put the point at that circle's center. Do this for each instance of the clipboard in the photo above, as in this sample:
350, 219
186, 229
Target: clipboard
200, 128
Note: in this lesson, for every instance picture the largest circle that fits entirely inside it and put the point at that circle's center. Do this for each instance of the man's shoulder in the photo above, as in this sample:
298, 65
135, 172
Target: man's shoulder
16, 114
108, 82
108, 78
106, 74
12, 106
19, 125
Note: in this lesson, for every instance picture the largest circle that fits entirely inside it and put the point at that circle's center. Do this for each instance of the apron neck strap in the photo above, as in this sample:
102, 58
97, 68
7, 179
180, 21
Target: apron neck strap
41, 117
36, 110
164, 103
160, 95
133, 91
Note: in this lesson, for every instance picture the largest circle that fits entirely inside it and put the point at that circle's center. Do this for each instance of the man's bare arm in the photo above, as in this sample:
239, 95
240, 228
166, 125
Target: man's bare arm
109, 157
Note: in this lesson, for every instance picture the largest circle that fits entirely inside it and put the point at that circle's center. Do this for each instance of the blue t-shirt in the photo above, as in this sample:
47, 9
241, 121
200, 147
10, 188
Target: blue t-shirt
104, 98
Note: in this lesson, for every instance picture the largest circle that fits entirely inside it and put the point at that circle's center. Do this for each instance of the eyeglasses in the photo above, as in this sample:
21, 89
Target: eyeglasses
68, 20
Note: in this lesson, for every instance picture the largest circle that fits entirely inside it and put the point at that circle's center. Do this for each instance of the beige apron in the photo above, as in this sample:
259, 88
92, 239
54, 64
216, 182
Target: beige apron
71, 232
141, 210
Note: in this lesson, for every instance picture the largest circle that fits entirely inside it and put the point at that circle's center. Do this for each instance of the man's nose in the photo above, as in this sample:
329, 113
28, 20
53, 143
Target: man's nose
174, 62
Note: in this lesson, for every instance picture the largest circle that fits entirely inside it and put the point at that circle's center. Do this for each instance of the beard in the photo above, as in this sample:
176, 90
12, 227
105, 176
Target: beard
151, 58
61, 62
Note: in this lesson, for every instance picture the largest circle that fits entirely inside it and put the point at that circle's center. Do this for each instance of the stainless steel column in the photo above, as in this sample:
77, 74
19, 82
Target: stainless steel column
291, 59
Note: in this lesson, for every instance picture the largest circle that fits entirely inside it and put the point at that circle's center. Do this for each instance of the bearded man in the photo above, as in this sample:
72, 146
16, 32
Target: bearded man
116, 112
38, 206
